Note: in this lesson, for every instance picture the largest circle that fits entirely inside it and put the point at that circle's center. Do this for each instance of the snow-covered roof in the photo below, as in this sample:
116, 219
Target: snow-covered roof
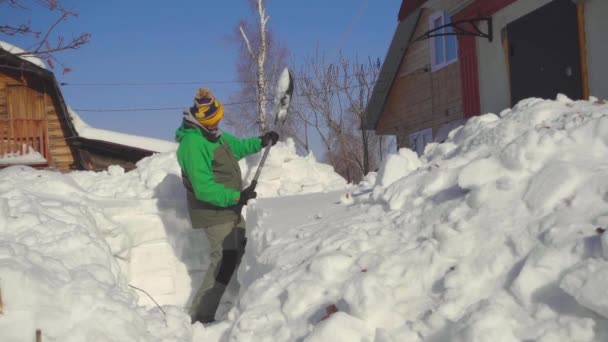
145, 143
30, 58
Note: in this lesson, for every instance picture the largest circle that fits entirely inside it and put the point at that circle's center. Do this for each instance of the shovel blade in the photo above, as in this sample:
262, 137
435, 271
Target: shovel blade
284, 92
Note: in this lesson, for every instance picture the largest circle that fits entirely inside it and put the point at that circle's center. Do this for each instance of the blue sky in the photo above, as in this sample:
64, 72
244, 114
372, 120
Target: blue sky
138, 41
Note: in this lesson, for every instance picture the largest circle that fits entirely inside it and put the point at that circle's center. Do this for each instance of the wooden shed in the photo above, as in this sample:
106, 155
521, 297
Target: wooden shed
36, 128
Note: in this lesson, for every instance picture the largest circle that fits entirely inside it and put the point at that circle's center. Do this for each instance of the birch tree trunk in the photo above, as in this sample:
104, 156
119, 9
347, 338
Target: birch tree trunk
260, 59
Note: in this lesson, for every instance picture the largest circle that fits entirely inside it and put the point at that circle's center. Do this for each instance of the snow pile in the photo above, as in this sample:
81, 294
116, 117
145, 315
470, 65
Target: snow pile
58, 273
497, 234
30, 156
72, 245
494, 235
286, 173
505, 214
397, 166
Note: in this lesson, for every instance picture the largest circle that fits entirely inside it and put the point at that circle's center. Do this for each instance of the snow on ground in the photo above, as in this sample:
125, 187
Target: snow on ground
490, 236
493, 235
72, 245
30, 156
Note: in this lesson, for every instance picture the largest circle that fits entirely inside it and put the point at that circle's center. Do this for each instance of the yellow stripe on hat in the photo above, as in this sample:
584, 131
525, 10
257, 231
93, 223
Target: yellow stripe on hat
209, 119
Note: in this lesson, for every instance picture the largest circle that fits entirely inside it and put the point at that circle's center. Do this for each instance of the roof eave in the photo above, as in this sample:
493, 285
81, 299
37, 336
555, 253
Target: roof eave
390, 67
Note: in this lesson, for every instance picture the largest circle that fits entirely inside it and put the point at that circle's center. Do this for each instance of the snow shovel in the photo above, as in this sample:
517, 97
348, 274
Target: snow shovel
282, 101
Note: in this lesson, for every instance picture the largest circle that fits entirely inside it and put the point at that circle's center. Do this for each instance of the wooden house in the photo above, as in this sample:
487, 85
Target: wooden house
453, 59
36, 128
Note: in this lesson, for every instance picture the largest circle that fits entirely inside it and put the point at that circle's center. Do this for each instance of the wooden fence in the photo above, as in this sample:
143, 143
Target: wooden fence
21, 136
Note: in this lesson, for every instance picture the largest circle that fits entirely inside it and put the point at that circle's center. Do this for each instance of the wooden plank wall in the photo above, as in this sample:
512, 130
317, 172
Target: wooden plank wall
4, 130
419, 98
59, 136
24, 128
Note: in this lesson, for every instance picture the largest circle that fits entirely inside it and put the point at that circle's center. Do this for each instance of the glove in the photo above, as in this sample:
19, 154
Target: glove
268, 137
247, 194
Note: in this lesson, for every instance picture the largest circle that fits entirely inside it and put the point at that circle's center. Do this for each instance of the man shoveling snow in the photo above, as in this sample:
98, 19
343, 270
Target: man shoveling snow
209, 158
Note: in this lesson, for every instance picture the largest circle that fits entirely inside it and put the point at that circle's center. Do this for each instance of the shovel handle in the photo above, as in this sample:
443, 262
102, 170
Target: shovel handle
254, 182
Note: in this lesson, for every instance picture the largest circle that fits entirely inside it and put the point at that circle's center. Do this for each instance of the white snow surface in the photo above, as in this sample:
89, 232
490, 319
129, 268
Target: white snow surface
493, 235
71, 244
29, 156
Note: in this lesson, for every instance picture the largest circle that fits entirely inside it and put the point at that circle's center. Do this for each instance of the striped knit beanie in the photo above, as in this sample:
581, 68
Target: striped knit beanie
207, 110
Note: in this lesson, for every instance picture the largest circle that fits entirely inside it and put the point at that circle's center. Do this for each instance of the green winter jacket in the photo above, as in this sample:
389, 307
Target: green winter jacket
212, 175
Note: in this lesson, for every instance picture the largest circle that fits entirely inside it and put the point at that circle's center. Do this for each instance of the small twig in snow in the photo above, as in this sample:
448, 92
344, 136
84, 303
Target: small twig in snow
161, 309
1, 304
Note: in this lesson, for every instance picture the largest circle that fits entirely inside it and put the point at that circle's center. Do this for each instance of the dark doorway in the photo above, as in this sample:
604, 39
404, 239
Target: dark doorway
544, 56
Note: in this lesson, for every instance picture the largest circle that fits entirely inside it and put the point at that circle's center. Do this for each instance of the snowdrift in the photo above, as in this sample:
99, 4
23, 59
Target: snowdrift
497, 234
75, 249
493, 235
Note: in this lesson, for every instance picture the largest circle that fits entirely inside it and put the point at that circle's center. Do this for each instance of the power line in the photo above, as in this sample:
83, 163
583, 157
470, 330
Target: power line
352, 25
154, 109
225, 104
143, 84
139, 84
127, 110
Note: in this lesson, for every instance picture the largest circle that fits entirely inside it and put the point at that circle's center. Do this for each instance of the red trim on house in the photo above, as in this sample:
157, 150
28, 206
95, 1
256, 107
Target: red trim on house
408, 7
467, 53
469, 75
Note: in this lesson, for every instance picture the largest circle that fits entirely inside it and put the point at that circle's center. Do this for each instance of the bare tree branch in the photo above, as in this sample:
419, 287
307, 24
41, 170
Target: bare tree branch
247, 41
335, 97
42, 46
11, 30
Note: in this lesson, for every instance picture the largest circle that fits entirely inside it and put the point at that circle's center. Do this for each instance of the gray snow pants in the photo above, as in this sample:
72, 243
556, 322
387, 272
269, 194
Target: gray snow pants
227, 244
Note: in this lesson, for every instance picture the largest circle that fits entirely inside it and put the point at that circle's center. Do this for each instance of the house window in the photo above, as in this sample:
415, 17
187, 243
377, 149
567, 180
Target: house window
418, 140
444, 49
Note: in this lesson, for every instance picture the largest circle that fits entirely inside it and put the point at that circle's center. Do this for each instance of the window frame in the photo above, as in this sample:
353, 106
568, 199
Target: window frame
434, 65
